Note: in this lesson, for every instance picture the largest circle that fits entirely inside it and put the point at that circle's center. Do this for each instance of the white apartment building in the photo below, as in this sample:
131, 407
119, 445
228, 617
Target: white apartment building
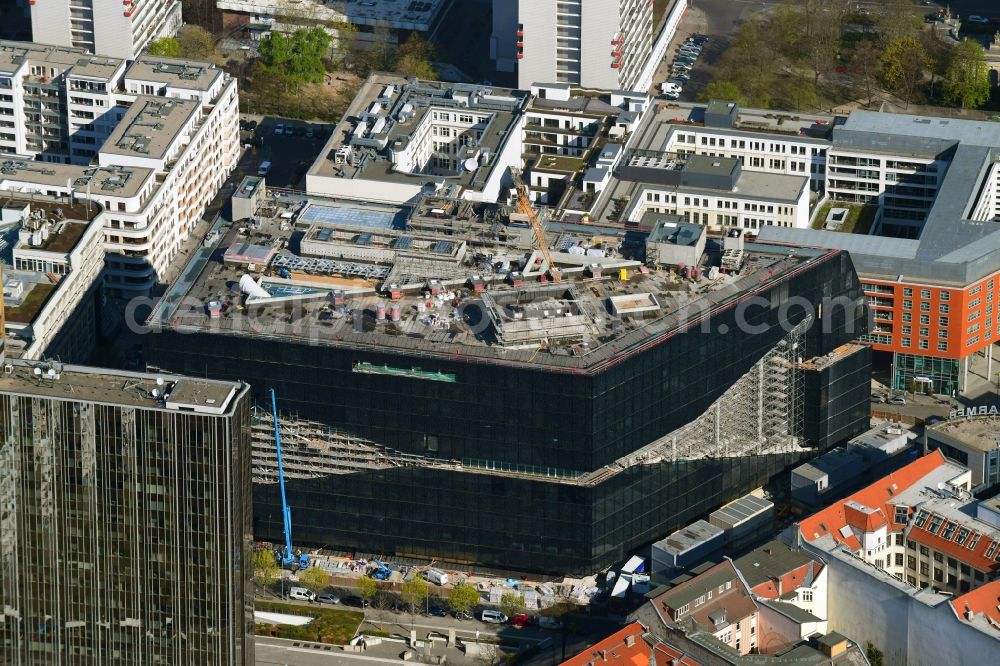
400, 139
117, 29
596, 44
50, 288
716, 192
788, 154
172, 118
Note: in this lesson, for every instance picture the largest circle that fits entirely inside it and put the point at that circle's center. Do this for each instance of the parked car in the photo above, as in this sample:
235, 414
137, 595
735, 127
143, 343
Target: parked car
279, 129
438, 612
897, 400
300, 131
931, 420
251, 125
493, 617
327, 598
680, 77
462, 615
672, 96
546, 622
878, 397
301, 593
700, 39
520, 620
357, 602
310, 133
975, 18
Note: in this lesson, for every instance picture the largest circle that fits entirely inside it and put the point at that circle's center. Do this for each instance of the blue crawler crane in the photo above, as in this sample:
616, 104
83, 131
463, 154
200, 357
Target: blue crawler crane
287, 558
381, 572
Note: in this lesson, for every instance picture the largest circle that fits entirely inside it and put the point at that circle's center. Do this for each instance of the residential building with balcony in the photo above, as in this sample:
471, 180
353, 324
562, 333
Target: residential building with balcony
168, 127
374, 23
52, 277
400, 139
109, 28
931, 264
595, 44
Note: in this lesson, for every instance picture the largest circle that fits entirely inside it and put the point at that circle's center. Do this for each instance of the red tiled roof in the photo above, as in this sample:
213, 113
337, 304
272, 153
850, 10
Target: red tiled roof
866, 521
830, 520
669, 655
787, 582
613, 650
975, 557
984, 599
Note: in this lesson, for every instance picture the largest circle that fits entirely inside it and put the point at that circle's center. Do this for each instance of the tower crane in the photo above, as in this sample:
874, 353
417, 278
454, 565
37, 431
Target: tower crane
525, 207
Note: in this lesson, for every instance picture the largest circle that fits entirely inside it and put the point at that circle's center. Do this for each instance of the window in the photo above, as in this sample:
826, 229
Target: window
925, 293
938, 575
907, 291
907, 317
907, 305
952, 562
925, 551
924, 569
899, 559
906, 342
807, 595
924, 319
938, 557
943, 308
925, 306
965, 569
902, 512
942, 346
923, 344
963, 534
911, 562
899, 539
945, 295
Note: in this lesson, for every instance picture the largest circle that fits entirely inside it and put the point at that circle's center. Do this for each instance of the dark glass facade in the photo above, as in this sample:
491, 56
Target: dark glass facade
125, 531
519, 416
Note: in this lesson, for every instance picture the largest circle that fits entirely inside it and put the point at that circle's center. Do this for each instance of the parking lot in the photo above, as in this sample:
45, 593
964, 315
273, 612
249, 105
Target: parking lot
291, 152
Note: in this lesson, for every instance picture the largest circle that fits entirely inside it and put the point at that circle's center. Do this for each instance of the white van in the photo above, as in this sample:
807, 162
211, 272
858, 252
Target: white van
493, 617
301, 593
436, 576
264, 168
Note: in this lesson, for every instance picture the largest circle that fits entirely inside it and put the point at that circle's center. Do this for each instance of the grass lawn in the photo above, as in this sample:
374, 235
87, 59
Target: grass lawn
329, 626
859, 216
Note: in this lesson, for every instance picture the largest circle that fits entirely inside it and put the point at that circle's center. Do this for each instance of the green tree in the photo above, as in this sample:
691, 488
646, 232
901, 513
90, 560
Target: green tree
511, 604
719, 89
195, 42
463, 597
165, 46
315, 579
866, 66
298, 57
415, 57
967, 81
904, 64
414, 593
265, 568
367, 588
874, 655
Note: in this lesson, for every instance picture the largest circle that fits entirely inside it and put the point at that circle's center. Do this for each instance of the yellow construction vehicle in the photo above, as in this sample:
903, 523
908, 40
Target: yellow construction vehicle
525, 207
